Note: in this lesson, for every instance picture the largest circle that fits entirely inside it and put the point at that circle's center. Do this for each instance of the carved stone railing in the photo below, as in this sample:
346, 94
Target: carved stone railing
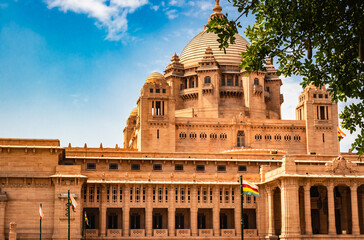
114, 232
160, 232
258, 89
137, 232
231, 91
92, 232
207, 88
250, 232
183, 232
189, 93
227, 232
205, 232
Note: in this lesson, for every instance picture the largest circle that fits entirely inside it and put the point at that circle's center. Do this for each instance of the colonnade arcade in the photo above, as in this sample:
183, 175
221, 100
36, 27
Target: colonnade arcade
315, 207
161, 210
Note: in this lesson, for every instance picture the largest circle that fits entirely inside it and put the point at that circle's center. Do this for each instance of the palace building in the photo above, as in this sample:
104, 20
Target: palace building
195, 129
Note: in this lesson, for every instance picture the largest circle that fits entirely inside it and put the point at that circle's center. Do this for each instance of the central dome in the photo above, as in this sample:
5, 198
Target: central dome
195, 50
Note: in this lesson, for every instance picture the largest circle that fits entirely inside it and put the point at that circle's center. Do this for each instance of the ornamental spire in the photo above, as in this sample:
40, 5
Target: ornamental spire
217, 10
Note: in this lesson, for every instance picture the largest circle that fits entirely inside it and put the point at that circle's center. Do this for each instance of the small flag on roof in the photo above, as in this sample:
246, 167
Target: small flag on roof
250, 189
340, 134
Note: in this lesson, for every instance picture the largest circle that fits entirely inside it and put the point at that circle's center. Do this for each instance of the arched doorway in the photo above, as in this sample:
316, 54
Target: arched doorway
277, 211
319, 210
343, 220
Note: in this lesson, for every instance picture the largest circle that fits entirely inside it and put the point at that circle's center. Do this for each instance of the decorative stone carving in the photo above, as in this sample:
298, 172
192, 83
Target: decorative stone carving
341, 166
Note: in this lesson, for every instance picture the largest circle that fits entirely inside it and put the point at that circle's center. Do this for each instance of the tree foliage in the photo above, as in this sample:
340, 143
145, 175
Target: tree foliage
320, 40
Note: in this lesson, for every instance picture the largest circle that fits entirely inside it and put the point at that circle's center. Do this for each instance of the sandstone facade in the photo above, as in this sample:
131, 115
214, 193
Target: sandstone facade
195, 130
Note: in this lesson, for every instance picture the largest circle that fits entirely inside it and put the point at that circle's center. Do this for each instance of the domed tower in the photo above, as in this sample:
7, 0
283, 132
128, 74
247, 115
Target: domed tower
213, 86
155, 127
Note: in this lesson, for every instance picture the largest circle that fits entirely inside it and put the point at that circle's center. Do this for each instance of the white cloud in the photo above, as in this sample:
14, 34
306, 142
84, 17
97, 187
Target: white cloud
155, 7
110, 14
172, 14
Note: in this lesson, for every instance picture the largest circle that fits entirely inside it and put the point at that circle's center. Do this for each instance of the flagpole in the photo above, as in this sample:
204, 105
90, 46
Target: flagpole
241, 203
68, 211
84, 228
40, 224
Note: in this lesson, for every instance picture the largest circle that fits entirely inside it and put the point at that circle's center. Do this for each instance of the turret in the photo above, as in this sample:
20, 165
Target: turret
157, 121
321, 116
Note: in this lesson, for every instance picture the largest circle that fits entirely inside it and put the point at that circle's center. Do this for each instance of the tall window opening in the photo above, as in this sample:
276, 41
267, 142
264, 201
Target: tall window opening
229, 81
241, 139
223, 80
207, 80
322, 112
256, 81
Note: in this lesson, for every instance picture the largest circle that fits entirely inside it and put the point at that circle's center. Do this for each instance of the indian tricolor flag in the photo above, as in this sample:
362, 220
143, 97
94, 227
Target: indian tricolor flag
73, 203
40, 212
250, 189
340, 134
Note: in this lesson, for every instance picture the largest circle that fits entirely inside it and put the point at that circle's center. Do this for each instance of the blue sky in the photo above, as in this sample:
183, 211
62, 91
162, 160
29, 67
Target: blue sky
73, 69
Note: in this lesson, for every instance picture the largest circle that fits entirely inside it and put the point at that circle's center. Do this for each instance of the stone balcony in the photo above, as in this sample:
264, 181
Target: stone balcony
228, 232
189, 93
205, 232
160, 232
257, 89
115, 233
207, 88
231, 91
92, 232
137, 232
183, 232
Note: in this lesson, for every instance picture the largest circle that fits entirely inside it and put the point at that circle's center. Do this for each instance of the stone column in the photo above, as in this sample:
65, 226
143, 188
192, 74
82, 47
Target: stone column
270, 207
237, 210
308, 223
216, 212
103, 211
12, 231
171, 211
331, 206
149, 212
126, 210
193, 211
290, 208
2, 219
354, 209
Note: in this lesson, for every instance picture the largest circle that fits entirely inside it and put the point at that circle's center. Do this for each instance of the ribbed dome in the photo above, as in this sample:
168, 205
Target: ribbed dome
134, 112
154, 77
195, 50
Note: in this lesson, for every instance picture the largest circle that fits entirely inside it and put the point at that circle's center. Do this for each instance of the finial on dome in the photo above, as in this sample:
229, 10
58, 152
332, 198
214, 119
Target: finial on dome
217, 10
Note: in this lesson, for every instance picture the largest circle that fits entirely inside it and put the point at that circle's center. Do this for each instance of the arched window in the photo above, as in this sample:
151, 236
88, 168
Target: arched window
207, 80
241, 139
256, 81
